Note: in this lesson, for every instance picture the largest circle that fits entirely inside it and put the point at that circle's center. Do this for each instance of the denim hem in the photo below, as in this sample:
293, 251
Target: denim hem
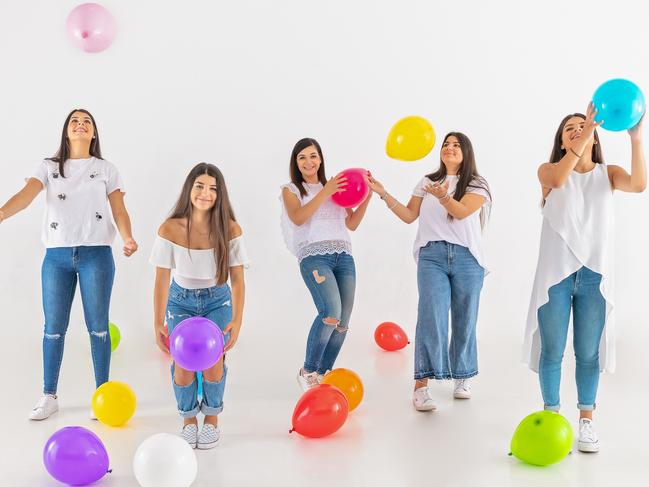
189, 414
432, 375
466, 375
309, 369
209, 410
586, 407
555, 408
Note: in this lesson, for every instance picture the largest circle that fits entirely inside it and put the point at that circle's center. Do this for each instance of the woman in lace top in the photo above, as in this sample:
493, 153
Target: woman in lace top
316, 231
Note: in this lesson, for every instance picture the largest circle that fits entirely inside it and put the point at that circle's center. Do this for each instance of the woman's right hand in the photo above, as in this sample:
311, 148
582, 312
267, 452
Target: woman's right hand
335, 185
375, 185
588, 132
161, 335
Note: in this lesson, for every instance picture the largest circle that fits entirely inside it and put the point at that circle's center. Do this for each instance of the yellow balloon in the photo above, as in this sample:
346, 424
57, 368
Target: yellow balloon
410, 139
349, 383
113, 403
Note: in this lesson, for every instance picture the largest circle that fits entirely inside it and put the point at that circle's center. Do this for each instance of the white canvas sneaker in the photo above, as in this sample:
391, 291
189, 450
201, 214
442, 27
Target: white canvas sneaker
47, 405
422, 400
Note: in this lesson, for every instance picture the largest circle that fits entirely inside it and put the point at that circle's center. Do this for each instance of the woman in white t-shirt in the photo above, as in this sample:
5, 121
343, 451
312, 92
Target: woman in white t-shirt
198, 248
451, 204
316, 231
82, 191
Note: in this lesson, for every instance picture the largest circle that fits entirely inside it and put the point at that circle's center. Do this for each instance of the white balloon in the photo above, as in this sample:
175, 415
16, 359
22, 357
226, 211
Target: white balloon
165, 460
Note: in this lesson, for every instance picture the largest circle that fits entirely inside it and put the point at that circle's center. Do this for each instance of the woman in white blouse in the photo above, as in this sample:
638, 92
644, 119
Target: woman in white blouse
200, 245
451, 204
82, 191
574, 273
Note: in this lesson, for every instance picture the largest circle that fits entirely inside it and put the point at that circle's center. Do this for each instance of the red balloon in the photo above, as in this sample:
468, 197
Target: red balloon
356, 190
321, 411
390, 336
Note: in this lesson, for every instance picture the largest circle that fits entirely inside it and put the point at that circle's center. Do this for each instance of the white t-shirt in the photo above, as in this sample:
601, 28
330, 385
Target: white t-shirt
77, 209
324, 233
434, 224
195, 268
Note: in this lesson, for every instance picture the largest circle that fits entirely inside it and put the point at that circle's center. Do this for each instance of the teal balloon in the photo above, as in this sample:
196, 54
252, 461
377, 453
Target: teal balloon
542, 438
620, 104
199, 379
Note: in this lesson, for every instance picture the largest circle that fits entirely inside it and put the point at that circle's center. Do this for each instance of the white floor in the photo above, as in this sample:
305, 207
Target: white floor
384, 442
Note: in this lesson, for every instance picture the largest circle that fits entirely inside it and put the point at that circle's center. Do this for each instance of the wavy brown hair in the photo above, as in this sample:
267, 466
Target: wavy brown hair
221, 214
63, 154
468, 174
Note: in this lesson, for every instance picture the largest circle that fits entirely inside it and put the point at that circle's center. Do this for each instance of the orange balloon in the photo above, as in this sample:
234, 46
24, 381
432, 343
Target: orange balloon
349, 383
390, 336
321, 411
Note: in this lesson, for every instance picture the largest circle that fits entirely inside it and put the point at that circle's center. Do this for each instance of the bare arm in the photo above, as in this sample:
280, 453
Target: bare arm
160, 296
123, 221
636, 182
408, 213
238, 286
300, 214
22, 199
354, 217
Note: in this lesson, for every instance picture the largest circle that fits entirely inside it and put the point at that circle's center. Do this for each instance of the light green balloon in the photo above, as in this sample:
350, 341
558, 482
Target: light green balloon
542, 438
115, 336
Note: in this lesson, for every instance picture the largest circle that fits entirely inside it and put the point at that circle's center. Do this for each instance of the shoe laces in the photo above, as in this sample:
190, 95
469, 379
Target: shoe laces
463, 385
586, 431
425, 394
311, 378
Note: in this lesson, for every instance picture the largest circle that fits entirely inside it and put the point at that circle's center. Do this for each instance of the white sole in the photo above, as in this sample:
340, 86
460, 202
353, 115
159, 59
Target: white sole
462, 396
588, 447
206, 446
432, 407
44, 417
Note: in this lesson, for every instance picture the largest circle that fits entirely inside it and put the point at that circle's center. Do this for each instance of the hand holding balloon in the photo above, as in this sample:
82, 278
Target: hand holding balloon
335, 185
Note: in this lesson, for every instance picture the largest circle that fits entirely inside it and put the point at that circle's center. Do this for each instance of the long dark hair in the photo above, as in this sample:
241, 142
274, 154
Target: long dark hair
467, 172
557, 152
294, 170
221, 214
63, 154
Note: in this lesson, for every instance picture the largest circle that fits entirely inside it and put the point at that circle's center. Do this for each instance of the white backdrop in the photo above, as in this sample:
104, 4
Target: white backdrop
238, 83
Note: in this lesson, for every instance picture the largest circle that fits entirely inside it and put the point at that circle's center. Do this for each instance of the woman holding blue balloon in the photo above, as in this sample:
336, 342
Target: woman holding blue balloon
198, 248
575, 269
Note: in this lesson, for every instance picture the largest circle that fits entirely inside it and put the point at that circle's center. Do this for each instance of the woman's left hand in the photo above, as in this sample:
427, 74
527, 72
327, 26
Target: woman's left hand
636, 131
130, 247
233, 329
439, 191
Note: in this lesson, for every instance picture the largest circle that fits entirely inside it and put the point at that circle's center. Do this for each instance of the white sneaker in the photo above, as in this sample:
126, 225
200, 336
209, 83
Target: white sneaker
588, 441
92, 415
190, 434
209, 437
322, 376
307, 380
462, 389
422, 400
47, 405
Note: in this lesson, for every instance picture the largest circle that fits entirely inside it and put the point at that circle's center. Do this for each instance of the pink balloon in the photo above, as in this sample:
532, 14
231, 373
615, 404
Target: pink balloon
91, 27
356, 190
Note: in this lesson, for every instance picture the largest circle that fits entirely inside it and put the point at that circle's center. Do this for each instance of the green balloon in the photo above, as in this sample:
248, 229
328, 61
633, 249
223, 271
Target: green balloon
542, 438
115, 336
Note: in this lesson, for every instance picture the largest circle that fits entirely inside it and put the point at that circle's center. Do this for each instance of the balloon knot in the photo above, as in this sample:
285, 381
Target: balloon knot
84, 35
109, 471
291, 430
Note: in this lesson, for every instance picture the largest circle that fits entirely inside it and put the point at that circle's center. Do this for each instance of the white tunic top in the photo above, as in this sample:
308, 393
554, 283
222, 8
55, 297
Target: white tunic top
434, 225
77, 210
195, 268
577, 231
324, 233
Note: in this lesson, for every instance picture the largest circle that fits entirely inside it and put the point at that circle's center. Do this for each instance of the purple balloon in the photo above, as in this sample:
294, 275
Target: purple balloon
91, 27
196, 344
75, 456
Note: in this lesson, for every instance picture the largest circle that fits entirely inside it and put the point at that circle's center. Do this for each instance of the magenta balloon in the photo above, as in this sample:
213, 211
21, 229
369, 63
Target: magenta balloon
75, 456
356, 190
196, 344
91, 27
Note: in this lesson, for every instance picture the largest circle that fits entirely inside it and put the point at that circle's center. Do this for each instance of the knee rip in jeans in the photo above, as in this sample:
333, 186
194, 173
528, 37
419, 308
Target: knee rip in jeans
53, 336
99, 334
318, 278
334, 322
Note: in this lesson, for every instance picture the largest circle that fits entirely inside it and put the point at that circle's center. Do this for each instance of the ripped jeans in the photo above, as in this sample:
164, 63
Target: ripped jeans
215, 304
331, 279
94, 268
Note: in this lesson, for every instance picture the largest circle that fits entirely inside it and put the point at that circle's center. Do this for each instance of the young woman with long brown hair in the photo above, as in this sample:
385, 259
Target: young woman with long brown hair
451, 204
198, 249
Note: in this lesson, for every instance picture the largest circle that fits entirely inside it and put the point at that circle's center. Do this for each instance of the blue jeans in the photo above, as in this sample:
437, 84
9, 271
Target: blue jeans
448, 277
215, 304
94, 267
579, 291
331, 279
